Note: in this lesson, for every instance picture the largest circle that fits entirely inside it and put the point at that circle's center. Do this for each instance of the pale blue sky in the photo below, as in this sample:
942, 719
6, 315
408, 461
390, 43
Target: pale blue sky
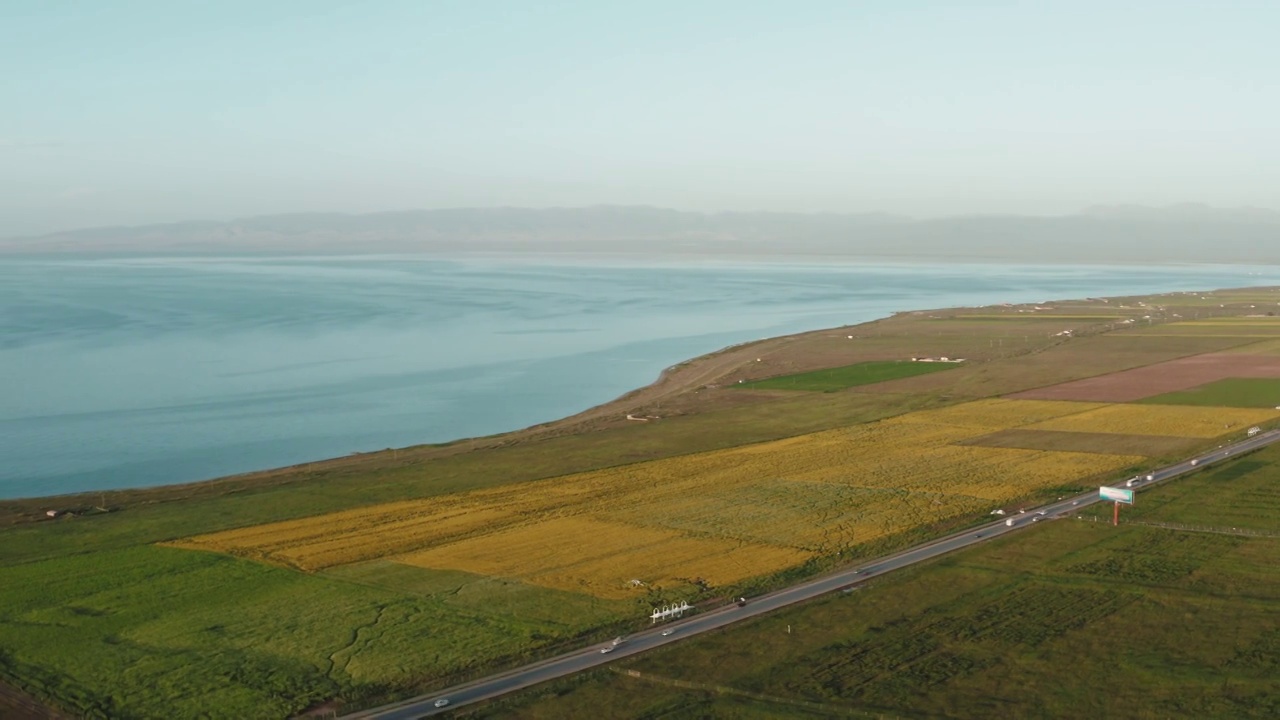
135, 112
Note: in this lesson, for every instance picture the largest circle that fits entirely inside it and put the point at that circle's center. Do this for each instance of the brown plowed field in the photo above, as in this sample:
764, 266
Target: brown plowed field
1144, 382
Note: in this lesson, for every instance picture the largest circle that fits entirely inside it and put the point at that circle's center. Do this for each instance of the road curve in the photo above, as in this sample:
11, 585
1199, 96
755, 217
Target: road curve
591, 657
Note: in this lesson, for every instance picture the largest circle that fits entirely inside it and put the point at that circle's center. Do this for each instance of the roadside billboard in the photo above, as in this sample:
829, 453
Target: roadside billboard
1116, 494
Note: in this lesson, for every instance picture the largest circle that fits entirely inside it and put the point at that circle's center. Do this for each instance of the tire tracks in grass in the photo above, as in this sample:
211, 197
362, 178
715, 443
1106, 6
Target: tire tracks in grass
354, 645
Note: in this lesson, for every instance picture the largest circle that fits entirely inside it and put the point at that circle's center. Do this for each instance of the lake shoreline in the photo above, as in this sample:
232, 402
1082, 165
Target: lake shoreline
674, 381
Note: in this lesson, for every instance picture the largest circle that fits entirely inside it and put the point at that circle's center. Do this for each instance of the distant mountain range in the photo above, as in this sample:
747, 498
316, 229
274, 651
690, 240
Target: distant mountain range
1186, 233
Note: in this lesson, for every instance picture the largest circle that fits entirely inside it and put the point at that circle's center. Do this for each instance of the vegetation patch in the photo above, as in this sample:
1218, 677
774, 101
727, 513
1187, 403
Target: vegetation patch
1231, 392
1174, 623
607, 559
1262, 654
1265, 347
1032, 316
1175, 420
1242, 495
866, 373
1160, 378
1066, 441
1255, 321
1155, 556
157, 632
708, 519
1031, 614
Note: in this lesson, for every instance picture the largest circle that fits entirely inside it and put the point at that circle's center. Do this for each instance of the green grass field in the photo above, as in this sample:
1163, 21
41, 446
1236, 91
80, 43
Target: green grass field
1231, 392
1071, 618
146, 631
866, 373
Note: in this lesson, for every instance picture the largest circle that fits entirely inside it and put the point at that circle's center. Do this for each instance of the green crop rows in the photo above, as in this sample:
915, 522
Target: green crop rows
849, 376
1231, 392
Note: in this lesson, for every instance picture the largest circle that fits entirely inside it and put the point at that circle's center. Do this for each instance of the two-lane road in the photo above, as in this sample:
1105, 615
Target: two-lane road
592, 657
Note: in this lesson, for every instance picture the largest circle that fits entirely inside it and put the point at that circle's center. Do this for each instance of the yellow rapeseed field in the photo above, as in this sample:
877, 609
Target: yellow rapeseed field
996, 413
603, 557
721, 516
1176, 420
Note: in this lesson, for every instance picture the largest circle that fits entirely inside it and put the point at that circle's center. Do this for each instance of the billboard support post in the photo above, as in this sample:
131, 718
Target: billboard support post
1118, 495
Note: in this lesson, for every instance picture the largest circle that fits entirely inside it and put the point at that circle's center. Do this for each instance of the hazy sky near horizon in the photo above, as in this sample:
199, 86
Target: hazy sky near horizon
138, 112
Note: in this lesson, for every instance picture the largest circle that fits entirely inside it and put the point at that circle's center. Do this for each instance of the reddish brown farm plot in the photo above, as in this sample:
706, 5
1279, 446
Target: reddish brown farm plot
1160, 378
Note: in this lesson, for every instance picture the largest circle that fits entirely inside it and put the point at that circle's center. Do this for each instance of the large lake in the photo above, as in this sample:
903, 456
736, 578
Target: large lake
144, 371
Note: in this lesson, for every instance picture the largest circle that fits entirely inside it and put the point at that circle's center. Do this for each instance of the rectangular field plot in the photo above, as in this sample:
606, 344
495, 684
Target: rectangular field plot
1262, 347
1058, 317
1241, 326
1176, 420
812, 516
1233, 321
723, 516
601, 558
355, 535
865, 373
994, 414
1086, 442
993, 474
1160, 378
1231, 392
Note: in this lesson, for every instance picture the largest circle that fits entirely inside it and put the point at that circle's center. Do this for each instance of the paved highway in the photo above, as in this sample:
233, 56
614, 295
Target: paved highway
592, 657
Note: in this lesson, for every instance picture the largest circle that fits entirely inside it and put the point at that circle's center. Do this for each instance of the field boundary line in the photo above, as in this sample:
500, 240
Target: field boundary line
1247, 532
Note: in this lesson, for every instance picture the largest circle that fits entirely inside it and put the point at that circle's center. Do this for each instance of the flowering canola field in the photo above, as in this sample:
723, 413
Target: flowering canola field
1176, 420
601, 557
724, 515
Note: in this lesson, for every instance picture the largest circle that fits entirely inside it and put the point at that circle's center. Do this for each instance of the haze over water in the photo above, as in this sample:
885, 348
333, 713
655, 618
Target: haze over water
146, 371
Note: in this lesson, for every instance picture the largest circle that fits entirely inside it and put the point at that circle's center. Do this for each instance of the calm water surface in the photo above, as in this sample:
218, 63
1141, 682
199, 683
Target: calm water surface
133, 372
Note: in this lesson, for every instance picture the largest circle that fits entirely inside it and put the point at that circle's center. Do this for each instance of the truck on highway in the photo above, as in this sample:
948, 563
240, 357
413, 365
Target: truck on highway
1009, 522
